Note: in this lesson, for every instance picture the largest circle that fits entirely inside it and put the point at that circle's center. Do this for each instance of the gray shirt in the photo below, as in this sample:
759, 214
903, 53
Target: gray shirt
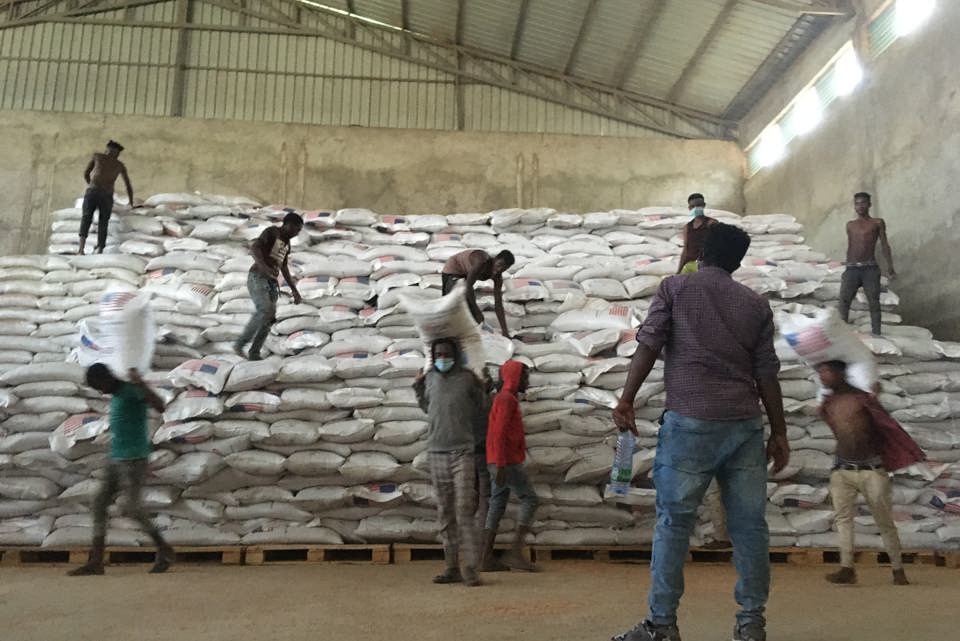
456, 407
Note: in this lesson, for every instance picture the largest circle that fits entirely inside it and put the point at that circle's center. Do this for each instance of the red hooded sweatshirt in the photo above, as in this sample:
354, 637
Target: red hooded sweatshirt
506, 444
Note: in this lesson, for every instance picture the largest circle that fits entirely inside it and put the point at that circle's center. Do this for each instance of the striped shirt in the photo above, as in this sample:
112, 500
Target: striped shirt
717, 340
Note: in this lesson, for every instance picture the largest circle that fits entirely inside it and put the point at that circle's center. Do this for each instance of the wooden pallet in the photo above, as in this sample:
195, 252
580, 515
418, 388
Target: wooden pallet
411, 552
19, 556
228, 555
789, 556
621, 554
604, 553
822, 556
280, 554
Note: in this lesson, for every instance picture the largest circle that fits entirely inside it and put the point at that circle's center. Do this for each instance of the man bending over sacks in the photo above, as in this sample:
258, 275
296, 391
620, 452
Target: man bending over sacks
473, 265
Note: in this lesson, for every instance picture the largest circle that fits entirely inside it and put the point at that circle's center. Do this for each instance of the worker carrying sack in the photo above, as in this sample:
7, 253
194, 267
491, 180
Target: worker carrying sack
127, 331
827, 338
447, 317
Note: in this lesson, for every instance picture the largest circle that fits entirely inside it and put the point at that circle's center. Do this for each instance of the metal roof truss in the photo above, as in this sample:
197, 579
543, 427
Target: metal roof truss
466, 64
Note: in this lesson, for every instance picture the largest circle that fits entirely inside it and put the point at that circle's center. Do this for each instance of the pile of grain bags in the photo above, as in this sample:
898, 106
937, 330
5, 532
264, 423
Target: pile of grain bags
322, 442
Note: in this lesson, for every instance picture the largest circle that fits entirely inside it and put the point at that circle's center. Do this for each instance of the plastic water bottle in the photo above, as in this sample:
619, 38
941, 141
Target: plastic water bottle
622, 472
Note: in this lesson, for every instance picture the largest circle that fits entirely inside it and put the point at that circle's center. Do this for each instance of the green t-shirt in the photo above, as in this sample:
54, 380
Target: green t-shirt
128, 424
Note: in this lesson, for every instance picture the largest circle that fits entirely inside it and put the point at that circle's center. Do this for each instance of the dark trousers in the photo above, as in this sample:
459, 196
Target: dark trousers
96, 199
128, 476
447, 282
868, 277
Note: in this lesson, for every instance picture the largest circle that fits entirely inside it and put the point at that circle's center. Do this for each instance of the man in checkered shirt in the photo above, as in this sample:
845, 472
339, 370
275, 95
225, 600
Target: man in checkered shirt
717, 341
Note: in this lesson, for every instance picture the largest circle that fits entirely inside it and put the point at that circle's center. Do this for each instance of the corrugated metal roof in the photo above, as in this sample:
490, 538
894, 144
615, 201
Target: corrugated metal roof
386, 11
551, 29
723, 73
803, 32
609, 36
678, 33
434, 18
489, 25
749, 35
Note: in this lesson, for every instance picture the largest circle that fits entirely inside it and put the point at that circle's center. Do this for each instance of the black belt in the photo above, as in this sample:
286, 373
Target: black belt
857, 467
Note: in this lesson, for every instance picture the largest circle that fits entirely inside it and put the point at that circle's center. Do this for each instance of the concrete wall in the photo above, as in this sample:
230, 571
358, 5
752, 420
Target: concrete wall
898, 137
388, 170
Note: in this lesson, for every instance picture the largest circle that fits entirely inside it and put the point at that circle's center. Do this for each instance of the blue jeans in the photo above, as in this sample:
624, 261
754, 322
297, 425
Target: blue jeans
690, 453
264, 292
516, 481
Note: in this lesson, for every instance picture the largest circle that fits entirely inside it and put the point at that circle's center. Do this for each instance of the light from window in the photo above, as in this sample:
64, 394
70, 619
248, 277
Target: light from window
847, 73
808, 111
771, 147
911, 14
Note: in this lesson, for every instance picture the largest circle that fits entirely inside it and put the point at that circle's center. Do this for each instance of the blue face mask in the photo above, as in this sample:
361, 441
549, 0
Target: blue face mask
443, 365
697, 211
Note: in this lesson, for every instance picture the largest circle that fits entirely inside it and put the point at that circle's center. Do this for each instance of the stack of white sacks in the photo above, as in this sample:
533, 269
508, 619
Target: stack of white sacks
322, 442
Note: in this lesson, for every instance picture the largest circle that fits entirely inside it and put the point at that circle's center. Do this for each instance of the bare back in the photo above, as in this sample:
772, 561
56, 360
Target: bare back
106, 170
862, 237
857, 440
463, 263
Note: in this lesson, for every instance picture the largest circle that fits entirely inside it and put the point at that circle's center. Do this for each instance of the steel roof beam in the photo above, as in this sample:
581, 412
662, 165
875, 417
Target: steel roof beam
88, 9
352, 8
459, 94
588, 16
41, 9
815, 7
582, 84
719, 22
803, 32
458, 37
641, 34
483, 67
405, 22
518, 30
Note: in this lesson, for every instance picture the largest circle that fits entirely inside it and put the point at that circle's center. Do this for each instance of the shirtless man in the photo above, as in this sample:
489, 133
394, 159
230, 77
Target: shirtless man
694, 234
473, 265
100, 175
858, 469
862, 268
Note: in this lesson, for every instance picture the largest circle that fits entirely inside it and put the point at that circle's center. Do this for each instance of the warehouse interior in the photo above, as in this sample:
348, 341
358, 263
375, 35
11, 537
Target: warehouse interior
548, 69
570, 132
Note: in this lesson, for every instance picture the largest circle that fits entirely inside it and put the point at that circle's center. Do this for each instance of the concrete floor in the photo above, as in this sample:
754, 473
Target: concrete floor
569, 601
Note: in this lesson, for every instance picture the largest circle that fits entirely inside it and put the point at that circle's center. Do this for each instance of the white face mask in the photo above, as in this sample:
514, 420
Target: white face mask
443, 365
697, 211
